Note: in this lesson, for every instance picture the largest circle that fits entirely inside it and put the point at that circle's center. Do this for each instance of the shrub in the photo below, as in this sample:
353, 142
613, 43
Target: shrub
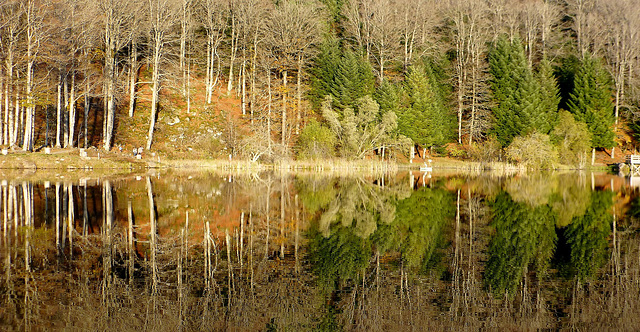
487, 151
316, 141
534, 151
456, 151
572, 139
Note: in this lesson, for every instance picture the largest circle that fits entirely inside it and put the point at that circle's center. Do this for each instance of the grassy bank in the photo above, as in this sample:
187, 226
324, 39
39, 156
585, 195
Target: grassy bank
69, 159
99, 162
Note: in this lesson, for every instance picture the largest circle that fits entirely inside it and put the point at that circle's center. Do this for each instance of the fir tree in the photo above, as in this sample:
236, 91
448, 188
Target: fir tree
354, 81
509, 69
549, 98
590, 102
525, 102
426, 119
325, 71
344, 76
388, 96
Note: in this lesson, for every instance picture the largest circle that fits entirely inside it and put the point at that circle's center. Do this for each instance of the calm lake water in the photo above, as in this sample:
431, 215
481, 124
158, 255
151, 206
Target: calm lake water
312, 252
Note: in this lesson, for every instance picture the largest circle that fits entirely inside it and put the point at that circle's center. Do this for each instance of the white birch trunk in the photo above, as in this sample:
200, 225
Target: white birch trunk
87, 107
209, 76
59, 112
2, 85
244, 85
65, 114
284, 108
72, 112
269, 102
156, 85
299, 96
16, 117
233, 52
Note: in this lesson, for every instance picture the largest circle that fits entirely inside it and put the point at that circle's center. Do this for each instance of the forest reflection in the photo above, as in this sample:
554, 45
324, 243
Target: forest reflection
271, 251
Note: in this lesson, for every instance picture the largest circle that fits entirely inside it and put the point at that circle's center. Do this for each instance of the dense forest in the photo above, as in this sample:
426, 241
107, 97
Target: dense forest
530, 81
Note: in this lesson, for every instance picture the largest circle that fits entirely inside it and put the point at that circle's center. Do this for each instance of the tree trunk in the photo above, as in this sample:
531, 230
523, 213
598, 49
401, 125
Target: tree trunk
2, 84
189, 81
474, 92
133, 76
16, 117
244, 85
209, 75
110, 115
253, 75
233, 52
155, 89
269, 102
59, 112
593, 156
7, 105
110, 102
183, 44
284, 108
299, 96
411, 154
460, 102
65, 113
72, 112
30, 109
87, 106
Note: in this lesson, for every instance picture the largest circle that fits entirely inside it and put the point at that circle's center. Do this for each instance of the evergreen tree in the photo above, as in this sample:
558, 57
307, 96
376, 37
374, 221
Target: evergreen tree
344, 76
426, 119
355, 80
524, 102
590, 102
389, 96
509, 67
324, 72
549, 98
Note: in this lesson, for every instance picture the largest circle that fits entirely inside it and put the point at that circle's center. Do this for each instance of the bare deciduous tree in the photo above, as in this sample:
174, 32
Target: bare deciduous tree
162, 15
470, 34
212, 16
292, 29
115, 17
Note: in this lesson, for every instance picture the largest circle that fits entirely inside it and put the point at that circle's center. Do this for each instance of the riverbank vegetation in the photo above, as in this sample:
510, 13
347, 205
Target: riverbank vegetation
539, 84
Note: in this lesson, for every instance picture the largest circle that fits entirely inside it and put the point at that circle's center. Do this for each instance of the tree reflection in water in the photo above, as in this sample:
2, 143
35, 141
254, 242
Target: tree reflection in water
309, 252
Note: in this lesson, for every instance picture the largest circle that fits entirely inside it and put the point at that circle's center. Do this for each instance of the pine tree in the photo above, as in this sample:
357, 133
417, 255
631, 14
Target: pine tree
591, 103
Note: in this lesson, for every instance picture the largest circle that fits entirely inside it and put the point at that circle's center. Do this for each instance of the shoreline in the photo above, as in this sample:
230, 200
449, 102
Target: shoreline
96, 161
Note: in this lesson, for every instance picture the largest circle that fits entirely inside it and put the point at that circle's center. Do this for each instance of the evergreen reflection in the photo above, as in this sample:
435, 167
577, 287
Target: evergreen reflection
587, 236
524, 235
364, 219
340, 242
417, 230
526, 228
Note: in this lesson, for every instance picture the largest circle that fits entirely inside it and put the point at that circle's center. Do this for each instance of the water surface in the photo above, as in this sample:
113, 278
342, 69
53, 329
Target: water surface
271, 251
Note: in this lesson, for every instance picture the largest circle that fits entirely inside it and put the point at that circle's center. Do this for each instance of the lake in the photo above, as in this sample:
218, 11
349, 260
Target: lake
184, 250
